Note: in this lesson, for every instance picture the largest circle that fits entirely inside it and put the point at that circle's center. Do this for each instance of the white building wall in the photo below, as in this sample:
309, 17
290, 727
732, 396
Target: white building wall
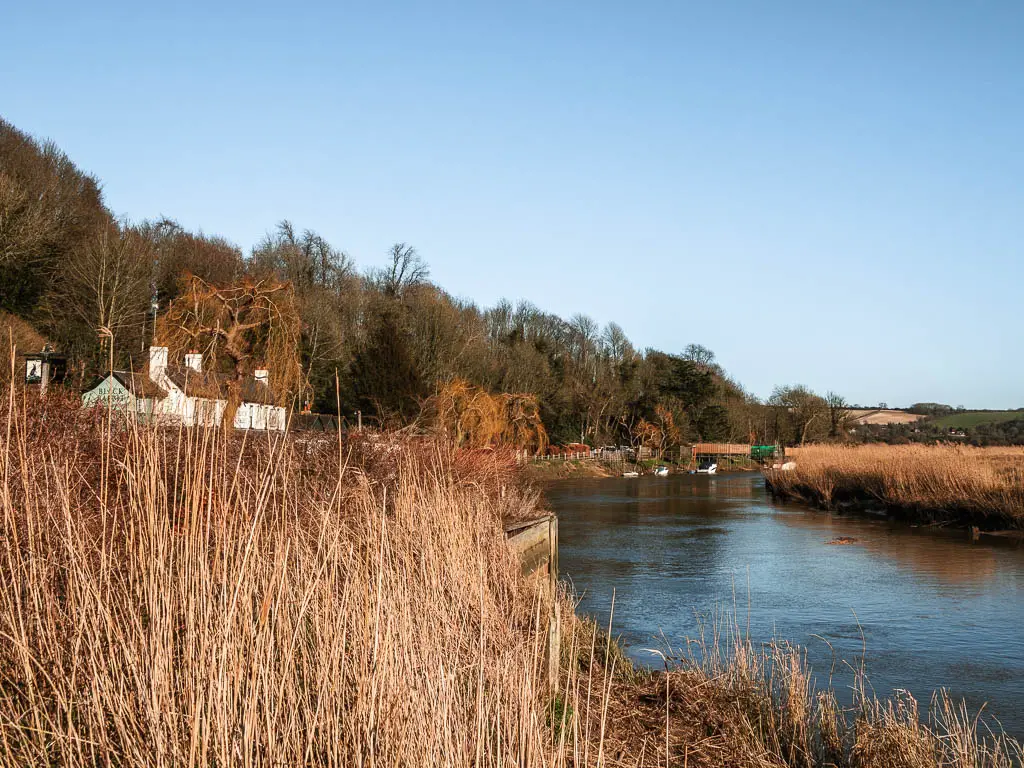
276, 418
196, 411
243, 416
261, 417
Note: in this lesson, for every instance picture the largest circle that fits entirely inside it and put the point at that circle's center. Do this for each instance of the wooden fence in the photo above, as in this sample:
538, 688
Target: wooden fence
571, 456
721, 449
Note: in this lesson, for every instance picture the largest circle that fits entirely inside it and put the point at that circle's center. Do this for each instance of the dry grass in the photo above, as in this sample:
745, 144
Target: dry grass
941, 483
188, 598
882, 416
181, 599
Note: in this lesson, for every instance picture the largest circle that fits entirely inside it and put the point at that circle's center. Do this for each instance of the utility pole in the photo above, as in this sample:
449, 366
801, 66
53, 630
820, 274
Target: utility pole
154, 307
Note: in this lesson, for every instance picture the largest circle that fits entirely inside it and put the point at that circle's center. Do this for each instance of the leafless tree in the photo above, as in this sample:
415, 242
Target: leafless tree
803, 410
838, 413
24, 225
106, 283
616, 343
406, 269
703, 357
239, 327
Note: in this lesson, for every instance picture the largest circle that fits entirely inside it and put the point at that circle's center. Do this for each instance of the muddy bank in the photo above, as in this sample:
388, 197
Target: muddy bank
543, 471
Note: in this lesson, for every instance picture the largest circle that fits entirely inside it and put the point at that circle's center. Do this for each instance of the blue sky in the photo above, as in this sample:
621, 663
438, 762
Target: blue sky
825, 193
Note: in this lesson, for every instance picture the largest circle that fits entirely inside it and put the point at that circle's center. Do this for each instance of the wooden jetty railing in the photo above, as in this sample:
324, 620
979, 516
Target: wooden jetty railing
721, 449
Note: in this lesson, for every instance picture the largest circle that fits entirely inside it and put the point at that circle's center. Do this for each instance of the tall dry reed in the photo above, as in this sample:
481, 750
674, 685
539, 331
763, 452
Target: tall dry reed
941, 483
173, 597
182, 599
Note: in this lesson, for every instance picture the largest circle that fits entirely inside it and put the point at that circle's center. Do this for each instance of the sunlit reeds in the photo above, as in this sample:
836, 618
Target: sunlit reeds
940, 483
174, 597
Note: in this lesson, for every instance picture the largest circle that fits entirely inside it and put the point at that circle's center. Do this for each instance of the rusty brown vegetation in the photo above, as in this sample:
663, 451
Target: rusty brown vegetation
191, 597
16, 336
471, 417
238, 328
952, 484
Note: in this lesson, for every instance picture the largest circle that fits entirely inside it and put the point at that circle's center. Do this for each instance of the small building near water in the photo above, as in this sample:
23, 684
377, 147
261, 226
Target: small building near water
126, 391
188, 395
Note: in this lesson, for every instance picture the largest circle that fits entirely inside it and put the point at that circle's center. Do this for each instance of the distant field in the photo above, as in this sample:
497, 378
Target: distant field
882, 416
974, 418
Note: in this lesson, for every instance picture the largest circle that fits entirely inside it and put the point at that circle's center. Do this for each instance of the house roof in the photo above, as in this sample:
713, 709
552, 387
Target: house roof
314, 422
139, 384
215, 386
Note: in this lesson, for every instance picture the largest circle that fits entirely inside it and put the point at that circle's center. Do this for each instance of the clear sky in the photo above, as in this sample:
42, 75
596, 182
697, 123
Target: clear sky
829, 193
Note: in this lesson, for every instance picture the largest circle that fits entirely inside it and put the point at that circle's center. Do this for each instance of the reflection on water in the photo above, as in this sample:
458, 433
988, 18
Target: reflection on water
933, 553
933, 609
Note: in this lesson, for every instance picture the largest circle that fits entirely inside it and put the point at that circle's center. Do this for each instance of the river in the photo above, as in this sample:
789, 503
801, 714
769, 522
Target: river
932, 609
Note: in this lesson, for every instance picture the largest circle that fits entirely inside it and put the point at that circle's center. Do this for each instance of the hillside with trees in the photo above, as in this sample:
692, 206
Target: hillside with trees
386, 342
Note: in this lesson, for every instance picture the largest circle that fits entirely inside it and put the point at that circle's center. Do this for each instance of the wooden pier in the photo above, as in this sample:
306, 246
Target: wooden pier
733, 453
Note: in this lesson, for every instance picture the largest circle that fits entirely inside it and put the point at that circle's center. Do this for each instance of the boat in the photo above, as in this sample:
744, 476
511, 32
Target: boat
661, 471
631, 474
707, 468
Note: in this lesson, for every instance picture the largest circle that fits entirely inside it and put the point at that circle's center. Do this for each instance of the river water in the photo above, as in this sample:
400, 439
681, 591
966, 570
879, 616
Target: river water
932, 609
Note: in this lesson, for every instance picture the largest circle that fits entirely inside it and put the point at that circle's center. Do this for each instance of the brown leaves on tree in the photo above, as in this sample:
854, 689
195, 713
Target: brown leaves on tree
238, 329
471, 417
659, 434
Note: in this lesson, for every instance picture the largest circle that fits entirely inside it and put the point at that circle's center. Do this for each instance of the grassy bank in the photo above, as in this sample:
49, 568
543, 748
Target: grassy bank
542, 471
192, 598
944, 484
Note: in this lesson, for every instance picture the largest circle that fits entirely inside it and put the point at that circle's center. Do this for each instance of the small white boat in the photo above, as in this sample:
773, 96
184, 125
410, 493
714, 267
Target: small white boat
661, 471
631, 474
707, 468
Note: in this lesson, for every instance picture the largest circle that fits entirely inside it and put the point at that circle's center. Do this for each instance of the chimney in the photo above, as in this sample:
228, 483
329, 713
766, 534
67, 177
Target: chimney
194, 360
262, 376
157, 361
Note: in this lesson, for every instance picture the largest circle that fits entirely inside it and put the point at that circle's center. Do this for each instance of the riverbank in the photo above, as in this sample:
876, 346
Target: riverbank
191, 597
550, 470
545, 471
956, 486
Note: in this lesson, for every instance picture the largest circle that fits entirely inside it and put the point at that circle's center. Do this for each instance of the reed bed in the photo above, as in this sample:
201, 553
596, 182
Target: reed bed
946, 484
193, 598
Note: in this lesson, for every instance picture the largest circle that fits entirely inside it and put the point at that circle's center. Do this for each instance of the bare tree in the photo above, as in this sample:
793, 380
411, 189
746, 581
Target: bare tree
838, 413
703, 357
239, 327
802, 410
406, 269
307, 261
106, 283
616, 343
24, 225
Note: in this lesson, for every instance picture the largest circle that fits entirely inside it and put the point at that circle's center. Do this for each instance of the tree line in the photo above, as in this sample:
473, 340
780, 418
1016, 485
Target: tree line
386, 342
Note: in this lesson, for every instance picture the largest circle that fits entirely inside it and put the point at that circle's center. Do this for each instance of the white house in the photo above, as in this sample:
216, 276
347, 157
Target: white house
188, 395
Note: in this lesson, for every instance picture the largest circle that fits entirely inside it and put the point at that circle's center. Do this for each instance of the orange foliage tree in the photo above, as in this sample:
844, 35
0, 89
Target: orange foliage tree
472, 417
238, 328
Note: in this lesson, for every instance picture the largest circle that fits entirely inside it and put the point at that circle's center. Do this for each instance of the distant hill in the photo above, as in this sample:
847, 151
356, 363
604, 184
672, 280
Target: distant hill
964, 419
882, 416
